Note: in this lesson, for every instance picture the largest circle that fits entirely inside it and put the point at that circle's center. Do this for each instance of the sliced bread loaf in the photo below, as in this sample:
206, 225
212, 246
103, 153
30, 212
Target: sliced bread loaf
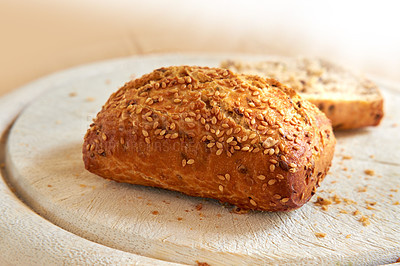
349, 100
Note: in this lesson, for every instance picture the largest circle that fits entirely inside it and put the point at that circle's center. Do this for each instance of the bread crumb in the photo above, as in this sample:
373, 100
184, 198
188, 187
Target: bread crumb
348, 236
155, 212
320, 234
369, 172
356, 212
82, 185
107, 81
202, 263
90, 99
343, 211
179, 218
322, 202
396, 203
72, 94
370, 208
49, 185
199, 206
372, 156
365, 220
363, 189
346, 157
238, 210
394, 190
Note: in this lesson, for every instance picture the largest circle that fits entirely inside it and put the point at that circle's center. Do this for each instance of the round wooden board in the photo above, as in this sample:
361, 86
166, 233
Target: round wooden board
44, 166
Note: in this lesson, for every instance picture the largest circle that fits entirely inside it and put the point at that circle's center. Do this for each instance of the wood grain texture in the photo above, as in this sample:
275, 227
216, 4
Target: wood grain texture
44, 165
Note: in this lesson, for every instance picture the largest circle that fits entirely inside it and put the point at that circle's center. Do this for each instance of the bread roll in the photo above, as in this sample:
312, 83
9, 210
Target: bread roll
208, 132
348, 99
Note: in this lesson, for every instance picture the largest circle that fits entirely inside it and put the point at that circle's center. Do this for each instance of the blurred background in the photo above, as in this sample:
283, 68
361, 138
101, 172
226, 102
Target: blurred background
43, 36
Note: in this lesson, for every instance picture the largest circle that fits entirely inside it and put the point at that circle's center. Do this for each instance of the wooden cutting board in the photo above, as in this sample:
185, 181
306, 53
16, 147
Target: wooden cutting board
358, 222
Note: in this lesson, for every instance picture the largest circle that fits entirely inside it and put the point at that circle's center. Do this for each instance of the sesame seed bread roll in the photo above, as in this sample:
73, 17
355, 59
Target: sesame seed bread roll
208, 132
348, 99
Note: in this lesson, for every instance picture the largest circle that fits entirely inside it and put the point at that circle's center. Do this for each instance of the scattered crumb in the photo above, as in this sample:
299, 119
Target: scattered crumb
343, 211
356, 212
394, 190
370, 208
90, 99
372, 156
346, 157
199, 206
72, 94
396, 203
49, 185
365, 220
107, 81
219, 215
179, 218
82, 185
202, 263
348, 236
372, 203
369, 172
344, 168
320, 234
238, 210
363, 189
155, 212
395, 125
58, 122
322, 202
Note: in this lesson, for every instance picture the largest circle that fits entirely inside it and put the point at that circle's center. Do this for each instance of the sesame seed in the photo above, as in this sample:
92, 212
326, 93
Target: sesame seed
246, 148
210, 145
213, 120
175, 117
167, 136
145, 133
277, 196
237, 130
280, 130
245, 138
122, 141
163, 85
219, 145
174, 136
162, 133
256, 150
252, 136
104, 136
292, 170
207, 127
209, 137
177, 100
260, 116
228, 177
147, 140
225, 125
271, 151
203, 121
273, 161
271, 182
219, 152
293, 165
261, 177
221, 177
272, 167
284, 200
289, 137
283, 158
251, 104
183, 162
229, 131
229, 140
190, 161
149, 118
252, 202
279, 176
221, 188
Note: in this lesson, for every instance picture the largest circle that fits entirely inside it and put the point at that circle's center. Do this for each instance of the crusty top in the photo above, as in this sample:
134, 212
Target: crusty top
228, 114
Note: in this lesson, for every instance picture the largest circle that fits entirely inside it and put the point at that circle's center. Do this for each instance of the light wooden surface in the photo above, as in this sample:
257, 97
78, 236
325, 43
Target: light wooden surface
45, 167
42, 36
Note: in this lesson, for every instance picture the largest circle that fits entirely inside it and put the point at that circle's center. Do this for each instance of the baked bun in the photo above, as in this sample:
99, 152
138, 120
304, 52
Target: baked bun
208, 132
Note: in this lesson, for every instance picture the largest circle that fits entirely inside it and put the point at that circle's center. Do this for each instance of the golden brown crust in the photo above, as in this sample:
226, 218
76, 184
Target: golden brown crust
209, 132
